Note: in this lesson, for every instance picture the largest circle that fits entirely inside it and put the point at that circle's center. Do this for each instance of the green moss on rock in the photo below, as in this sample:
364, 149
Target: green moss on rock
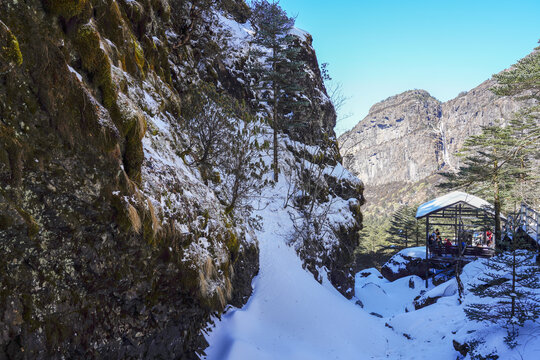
10, 52
139, 54
232, 243
96, 62
65, 8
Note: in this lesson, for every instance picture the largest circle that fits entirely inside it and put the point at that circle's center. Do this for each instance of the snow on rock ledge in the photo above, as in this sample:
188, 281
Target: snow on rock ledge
406, 262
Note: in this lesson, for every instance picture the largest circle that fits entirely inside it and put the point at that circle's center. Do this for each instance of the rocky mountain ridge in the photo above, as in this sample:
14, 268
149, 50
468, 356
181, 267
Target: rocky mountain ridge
399, 147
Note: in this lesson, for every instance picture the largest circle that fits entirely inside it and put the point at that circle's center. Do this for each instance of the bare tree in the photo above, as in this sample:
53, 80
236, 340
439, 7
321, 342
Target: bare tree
242, 168
309, 194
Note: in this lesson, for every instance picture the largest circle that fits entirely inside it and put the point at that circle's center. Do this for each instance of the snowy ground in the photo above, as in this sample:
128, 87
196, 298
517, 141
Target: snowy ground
292, 316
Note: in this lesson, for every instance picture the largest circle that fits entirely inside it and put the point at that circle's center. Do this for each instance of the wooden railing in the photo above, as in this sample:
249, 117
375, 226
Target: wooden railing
528, 220
455, 251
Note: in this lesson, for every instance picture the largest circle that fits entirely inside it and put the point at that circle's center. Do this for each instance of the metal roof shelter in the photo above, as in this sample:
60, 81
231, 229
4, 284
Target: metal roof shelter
466, 215
470, 203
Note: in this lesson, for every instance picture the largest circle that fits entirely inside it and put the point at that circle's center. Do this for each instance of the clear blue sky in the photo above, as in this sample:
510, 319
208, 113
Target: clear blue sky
379, 48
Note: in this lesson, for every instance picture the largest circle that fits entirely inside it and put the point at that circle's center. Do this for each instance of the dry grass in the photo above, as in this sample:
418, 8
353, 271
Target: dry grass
156, 225
221, 297
134, 219
228, 288
203, 284
209, 269
140, 125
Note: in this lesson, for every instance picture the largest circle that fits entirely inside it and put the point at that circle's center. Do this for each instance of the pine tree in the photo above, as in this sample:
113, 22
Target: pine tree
513, 282
501, 159
523, 79
523, 82
491, 167
404, 227
276, 67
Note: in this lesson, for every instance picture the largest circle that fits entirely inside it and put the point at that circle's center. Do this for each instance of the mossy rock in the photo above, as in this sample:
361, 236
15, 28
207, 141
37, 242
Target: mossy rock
238, 9
5, 222
96, 62
65, 8
163, 9
111, 23
134, 10
31, 225
10, 53
14, 150
138, 54
122, 217
133, 126
233, 244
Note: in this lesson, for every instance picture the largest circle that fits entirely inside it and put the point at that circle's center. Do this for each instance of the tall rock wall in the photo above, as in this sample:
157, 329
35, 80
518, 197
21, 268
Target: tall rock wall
113, 244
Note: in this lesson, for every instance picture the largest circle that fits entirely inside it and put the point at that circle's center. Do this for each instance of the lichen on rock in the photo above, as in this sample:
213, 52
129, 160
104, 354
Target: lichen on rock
10, 53
96, 62
65, 8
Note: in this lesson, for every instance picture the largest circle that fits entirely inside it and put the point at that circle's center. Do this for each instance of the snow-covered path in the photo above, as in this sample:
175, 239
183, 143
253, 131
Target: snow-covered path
291, 316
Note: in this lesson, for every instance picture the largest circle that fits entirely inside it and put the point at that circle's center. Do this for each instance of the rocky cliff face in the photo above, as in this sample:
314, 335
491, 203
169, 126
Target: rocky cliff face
464, 115
394, 141
112, 242
399, 147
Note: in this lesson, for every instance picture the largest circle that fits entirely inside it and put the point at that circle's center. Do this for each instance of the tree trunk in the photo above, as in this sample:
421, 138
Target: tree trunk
275, 122
513, 279
459, 282
406, 239
417, 231
497, 204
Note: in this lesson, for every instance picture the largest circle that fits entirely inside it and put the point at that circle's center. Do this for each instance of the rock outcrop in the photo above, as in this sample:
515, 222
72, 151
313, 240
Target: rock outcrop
113, 244
405, 140
394, 141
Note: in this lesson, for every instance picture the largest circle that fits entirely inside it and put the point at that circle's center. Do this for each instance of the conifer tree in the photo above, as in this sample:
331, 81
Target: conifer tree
491, 167
523, 82
404, 227
512, 280
522, 79
497, 160
275, 66
502, 157
374, 235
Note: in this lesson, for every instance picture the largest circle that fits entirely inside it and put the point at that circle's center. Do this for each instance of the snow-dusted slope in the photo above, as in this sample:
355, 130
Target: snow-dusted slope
290, 315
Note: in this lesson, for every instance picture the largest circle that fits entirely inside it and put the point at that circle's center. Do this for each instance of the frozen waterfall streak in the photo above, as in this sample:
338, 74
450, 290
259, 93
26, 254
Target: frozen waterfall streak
438, 130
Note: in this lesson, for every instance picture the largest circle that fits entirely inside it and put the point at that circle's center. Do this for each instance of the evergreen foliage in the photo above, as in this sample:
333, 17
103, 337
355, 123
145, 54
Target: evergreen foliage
502, 161
276, 67
404, 228
492, 165
523, 81
512, 280
375, 246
